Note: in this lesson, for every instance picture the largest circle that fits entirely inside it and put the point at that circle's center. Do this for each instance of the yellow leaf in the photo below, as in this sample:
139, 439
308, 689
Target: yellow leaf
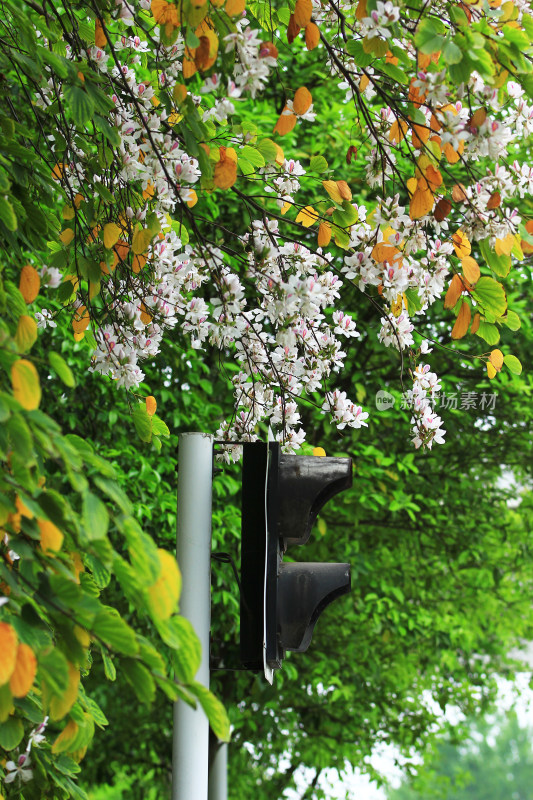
307, 216
29, 283
164, 594
312, 36
285, 123
496, 359
302, 12
333, 190
68, 212
51, 537
462, 322
23, 509
397, 305
151, 405
111, 235
280, 155
66, 737
82, 636
324, 234
491, 371
471, 269
141, 240
319, 451
421, 203
77, 565
165, 14
504, 246
60, 706
80, 320
8, 651
412, 186
23, 675
302, 100
66, 236
26, 334
192, 198
461, 245
26, 386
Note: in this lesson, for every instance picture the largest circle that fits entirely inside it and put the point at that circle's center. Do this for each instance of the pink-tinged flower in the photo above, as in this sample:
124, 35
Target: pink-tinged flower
20, 769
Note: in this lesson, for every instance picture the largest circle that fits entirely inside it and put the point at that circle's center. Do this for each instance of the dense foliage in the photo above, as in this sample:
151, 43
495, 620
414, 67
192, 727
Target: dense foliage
154, 231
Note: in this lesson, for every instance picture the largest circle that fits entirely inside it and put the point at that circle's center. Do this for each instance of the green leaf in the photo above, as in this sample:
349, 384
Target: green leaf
95, 517
491, 295
501, 265
117, 634
53, 671
214, 710
394, 72
489, 332
80, 104
109, 667
512, 320
318, 164
451, 53
11, 733
513, 364
355, 49
139, 677
142, 422
60, 366
159, 428
179, 634
268, 149
428, 36
253, 155
7, 214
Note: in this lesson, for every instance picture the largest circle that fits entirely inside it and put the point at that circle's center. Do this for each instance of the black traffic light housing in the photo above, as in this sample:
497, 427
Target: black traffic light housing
281, 602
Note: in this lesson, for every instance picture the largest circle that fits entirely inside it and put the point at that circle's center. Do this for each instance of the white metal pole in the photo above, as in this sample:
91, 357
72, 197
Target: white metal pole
218, 772
190, 747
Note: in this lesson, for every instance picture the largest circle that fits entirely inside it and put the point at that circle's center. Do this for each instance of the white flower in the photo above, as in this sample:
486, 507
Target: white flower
19, 769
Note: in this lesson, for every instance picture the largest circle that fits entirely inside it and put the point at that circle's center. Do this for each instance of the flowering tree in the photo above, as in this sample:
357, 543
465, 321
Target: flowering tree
127, 130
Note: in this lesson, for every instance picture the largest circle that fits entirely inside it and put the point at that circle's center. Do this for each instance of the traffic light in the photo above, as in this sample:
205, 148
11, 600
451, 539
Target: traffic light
281, 602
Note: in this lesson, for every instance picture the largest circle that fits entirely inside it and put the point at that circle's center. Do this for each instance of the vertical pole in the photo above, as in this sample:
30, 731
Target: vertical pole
218, 772
190, 747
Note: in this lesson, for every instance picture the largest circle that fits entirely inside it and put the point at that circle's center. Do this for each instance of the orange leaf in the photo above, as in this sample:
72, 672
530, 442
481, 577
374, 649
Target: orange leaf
29, 283
285, 123
188, 67
51, 537
433, 177
461, 245
8, 651
384, 252
344, 190
494, 201
496, 359
100, 39
23, 675
80, 320
234, 8
292, 29
459, 193
312, 36
151, 405
470, 269
398, 130
225, 172
454, 292
302, 100
421, 203
138, 262
324, 234
165, 14
462, 322
529, 226
478, 118
361, 10
146, 317
26, 386
302, 12
419, 136
307, 216
475, 323
58, 171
